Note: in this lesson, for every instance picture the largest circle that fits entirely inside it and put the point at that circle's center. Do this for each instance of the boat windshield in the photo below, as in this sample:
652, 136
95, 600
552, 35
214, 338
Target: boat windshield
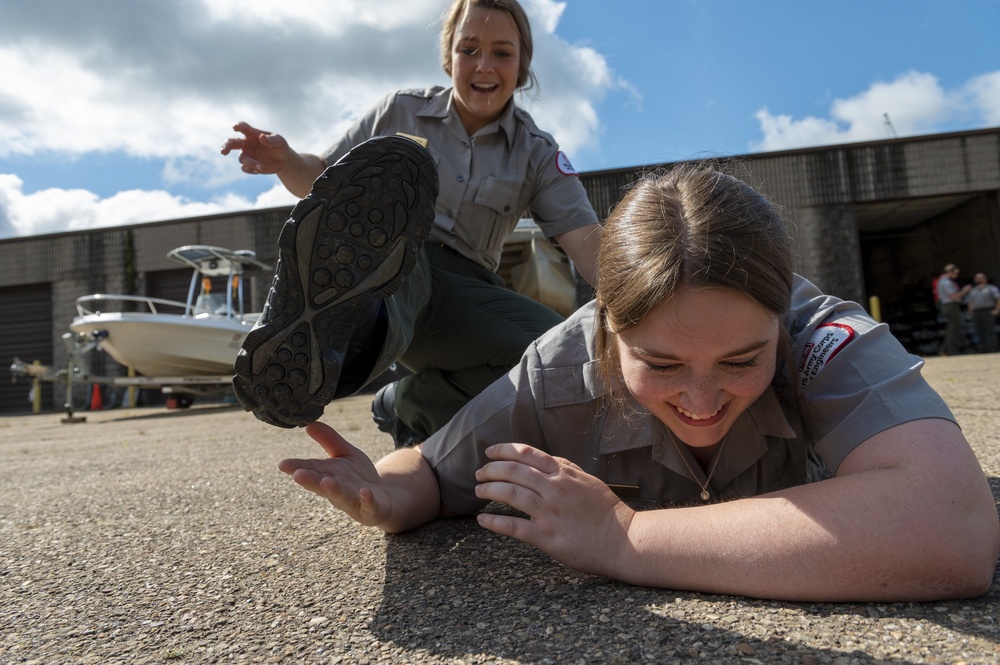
217, 281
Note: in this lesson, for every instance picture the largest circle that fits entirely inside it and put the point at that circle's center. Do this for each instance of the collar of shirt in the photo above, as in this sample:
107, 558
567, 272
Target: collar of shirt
747, 440
441, 107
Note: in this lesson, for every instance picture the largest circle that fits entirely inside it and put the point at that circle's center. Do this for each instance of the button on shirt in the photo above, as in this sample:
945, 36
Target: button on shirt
487, 181
843, 379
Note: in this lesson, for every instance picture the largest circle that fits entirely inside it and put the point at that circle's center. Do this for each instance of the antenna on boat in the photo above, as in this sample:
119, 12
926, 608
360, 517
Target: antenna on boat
888, 126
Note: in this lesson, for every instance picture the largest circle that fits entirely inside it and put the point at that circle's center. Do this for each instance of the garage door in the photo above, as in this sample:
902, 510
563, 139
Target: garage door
25, 333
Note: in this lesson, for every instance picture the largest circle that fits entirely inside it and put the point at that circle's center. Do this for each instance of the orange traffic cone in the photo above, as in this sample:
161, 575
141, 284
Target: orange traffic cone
96, 401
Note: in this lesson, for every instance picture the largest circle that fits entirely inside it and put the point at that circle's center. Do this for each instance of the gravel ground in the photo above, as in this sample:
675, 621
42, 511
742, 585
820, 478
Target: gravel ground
155, 536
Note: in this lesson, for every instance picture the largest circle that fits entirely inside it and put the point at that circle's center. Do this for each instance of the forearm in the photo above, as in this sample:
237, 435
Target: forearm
300, 171
844, 539
582, 245
416, 498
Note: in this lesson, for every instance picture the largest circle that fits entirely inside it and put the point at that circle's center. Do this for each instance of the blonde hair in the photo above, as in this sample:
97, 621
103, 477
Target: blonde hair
690, 226
458, 9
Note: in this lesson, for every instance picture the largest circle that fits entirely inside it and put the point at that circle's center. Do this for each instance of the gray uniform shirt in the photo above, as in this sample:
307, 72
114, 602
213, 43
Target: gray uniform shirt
983, 296
946, 288
489, 180
843, 379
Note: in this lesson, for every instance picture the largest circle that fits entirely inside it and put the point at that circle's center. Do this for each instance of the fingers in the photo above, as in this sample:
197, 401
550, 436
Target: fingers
345, 491
522, 465
313, 480
532, 481
523, 454
359, 504
331, 442
251, 138
230, 145
238, 143
251, 166
519, 476
253, 135
327, 437
346, 477
248, 163
510, 526
247, 129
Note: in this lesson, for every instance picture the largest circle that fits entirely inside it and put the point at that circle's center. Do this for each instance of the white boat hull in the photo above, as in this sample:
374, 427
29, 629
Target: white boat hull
167, 344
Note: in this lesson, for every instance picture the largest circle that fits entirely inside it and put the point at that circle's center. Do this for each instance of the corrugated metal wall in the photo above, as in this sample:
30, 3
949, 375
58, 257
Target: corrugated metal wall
126, 259
41, 276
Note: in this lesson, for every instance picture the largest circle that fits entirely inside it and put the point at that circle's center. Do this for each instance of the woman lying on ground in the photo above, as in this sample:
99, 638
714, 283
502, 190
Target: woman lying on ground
711, 422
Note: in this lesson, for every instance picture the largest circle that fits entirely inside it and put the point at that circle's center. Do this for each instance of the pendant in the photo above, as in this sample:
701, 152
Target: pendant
704, 495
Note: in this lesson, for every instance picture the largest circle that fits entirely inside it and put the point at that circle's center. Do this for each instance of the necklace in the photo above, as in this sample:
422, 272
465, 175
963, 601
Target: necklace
704, 488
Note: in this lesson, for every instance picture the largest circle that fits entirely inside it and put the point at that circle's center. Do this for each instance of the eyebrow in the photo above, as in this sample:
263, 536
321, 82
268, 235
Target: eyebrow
476, 40
750, 348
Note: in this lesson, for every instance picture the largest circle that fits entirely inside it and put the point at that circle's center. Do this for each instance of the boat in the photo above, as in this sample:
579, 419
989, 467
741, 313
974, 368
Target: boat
165, 338
188, 349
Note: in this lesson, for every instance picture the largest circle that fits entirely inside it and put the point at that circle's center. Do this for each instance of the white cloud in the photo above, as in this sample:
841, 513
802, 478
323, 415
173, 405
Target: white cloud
544, 15
116, 96
56, 210
573, 79
227, 61
166, 81
915, 103
332, 19
984, 93
274, 197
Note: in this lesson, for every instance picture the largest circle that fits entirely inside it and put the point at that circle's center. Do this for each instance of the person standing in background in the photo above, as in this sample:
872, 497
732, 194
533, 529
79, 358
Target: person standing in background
949, 300
983, 303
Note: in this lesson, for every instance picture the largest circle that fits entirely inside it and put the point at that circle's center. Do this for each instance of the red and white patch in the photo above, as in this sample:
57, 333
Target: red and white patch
826, 342
564, 165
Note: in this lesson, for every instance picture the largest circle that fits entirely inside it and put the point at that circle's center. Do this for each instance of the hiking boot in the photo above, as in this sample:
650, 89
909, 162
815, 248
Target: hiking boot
350, 242
385, 416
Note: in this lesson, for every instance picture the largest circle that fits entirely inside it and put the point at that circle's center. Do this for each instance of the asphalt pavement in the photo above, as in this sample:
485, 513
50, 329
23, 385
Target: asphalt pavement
168, 536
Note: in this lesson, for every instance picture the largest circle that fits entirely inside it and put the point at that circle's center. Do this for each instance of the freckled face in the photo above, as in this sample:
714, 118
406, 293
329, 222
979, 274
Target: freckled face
484, 64
699, 360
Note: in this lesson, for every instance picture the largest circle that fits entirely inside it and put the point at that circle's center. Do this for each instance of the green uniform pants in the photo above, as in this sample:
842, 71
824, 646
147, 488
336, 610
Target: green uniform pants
952, 345
458, 328
986, 329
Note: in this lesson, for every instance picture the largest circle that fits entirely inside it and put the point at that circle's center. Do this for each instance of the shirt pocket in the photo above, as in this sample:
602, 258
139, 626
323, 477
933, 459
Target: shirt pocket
497, 211
572, 416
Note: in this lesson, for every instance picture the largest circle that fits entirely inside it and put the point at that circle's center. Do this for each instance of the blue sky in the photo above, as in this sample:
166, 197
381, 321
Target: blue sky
113, 112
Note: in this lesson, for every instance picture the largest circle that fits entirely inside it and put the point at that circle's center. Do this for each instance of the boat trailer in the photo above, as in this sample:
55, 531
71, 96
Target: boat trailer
183, 389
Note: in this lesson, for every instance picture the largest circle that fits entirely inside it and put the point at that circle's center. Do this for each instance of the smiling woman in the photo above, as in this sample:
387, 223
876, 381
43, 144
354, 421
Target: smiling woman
710, 422
485, 166
482, 52
698, 361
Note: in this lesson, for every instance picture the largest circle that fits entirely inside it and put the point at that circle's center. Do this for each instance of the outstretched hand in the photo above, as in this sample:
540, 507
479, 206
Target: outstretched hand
347, 479
574, 517
260, 150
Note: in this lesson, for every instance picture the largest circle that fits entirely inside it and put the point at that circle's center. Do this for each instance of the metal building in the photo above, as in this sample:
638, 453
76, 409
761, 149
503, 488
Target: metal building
868, 219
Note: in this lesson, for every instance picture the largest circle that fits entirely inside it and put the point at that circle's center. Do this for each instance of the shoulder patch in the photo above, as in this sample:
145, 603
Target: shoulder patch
564, 165
826, 342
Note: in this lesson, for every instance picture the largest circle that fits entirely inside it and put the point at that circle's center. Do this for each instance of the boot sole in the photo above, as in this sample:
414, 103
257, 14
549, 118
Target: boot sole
352, 240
